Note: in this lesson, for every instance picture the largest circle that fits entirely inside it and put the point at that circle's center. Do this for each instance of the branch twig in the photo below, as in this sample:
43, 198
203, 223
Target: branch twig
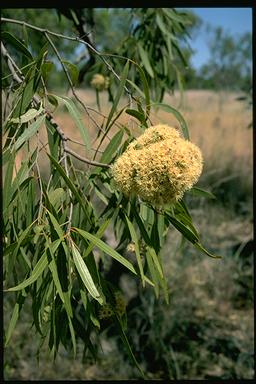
84, 160
49, 117
77, 39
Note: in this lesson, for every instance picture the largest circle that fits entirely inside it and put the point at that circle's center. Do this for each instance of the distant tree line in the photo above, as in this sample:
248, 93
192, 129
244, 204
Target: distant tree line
229, 66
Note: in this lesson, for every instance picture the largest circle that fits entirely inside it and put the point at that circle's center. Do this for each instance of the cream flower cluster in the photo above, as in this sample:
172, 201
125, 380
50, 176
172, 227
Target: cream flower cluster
159, 166
99, 82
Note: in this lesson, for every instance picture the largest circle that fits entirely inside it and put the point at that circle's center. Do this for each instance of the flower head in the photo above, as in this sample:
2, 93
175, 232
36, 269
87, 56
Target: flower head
100, 82
159, 166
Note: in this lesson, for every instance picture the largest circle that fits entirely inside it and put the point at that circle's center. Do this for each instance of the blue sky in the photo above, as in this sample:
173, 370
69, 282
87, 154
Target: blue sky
233, 20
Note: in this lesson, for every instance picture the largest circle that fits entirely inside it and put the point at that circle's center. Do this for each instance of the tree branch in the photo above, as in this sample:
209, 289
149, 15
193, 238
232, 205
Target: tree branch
77, 39
84, 160
11, 64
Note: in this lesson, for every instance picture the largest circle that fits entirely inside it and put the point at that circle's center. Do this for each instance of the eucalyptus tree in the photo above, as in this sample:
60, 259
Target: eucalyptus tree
57, 252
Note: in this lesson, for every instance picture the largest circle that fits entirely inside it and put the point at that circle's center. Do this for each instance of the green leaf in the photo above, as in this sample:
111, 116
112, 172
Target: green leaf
76, 115
142, 227
146, 89
186, 220
73, 71
29, 115
15, 315
137, 249
53, 269
203, 250
52, 99
57, 197
178, 116
70, 185
100, 195
26, 93
106, 248
37, 271
12, 324
161, 24
23, 237
53, 139
145, 59
98, 234
162, 230
112, 147
29, 132
153, 273
127, 345
16, 43
183, 229
56, 226
73, 337
119, 93
7, 190
156, 262
138, 115
136, 87
85, 274
190, 235
182, 57
46, 69
201, 192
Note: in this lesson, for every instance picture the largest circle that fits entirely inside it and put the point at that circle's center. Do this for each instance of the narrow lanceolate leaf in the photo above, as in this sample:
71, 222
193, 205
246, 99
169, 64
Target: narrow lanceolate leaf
85, 274
57, 197
29, 115
203, 250
138, 115
178, 116
71, 186
37, 271
112, 147
99, 234
29, 132
17, 44
183, 229
201, 192
56, 226
156, 261
145, 60
137, 248
161, 24
145, 89
106, 248
73, 71
23, 237
119, 93
26, 93
190, 236
127, 346
12, 324
76, 115
7, 190
54, 271
153, 273
73, 337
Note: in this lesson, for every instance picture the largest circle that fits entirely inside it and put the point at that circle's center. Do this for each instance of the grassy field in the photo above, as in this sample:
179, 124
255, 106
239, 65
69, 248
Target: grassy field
206, 332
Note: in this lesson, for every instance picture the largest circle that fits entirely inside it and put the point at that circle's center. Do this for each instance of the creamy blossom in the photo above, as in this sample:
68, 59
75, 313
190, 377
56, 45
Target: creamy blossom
159, 166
